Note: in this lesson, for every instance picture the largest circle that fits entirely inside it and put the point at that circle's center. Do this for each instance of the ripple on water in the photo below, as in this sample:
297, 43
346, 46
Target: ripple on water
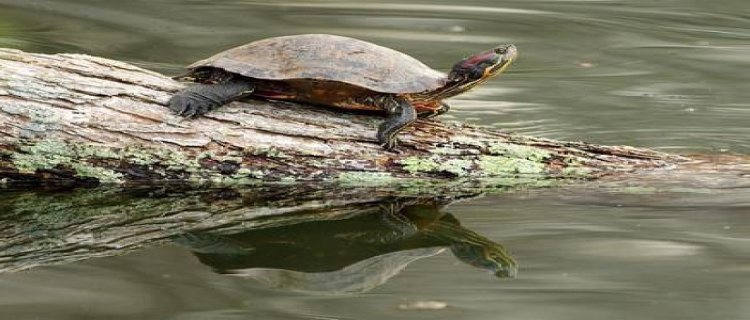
406, 7
637, 249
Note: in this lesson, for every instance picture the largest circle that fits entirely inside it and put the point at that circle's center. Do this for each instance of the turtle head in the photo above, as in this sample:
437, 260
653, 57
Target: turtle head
476, 69
482, 66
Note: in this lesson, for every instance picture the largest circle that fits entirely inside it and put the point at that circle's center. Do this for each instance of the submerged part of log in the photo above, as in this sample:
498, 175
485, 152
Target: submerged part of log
83, 118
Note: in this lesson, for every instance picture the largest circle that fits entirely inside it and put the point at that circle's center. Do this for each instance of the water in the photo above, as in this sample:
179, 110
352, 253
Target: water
664, 74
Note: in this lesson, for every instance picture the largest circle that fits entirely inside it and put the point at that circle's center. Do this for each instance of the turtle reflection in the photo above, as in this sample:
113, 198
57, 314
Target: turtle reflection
354, 253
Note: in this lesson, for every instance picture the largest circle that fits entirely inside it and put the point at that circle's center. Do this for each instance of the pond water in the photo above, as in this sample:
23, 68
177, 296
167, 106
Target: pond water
669, 74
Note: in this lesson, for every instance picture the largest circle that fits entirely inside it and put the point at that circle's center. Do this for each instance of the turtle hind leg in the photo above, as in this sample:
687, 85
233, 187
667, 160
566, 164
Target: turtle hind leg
400, 115
199, 99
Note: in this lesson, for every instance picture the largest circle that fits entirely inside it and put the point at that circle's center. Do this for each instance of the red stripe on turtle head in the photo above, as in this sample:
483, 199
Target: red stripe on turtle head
486, 56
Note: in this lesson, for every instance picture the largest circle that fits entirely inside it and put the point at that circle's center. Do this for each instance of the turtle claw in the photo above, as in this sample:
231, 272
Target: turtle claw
179, 105
189, 114
389, 144
184, 111
188, 107
392, 149
200, 99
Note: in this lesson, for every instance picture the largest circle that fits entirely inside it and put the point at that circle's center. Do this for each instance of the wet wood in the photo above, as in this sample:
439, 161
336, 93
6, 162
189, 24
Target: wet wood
88, 119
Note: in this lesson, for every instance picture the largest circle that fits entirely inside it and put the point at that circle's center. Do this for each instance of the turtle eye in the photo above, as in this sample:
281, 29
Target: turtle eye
504, 49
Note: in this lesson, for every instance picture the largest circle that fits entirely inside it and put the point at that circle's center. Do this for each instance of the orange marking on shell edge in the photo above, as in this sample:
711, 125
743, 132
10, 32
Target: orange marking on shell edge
354, 106
426, 106
274, 95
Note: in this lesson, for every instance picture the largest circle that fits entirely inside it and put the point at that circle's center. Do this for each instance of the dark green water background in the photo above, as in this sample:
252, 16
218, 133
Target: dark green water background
672, 75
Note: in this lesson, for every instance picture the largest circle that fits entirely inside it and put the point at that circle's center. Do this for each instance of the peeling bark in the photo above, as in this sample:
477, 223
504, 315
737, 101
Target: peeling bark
87, 119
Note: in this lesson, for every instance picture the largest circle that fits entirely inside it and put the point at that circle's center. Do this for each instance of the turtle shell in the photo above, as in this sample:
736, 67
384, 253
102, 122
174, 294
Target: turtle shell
328, 57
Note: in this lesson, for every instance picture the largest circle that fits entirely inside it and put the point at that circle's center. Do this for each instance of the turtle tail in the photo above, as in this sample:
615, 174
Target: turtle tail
199, 99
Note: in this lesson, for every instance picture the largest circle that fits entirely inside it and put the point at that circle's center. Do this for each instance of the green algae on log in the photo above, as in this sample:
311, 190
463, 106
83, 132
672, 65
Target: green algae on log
79, 118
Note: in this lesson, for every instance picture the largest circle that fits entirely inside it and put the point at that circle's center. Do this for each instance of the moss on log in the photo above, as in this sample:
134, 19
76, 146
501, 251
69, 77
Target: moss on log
71, 117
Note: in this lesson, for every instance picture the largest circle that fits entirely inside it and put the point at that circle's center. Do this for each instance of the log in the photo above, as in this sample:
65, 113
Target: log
229, 228
64, 225
73, 117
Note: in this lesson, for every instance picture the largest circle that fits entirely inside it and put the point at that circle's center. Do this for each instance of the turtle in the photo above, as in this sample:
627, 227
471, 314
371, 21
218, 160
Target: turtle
335, 71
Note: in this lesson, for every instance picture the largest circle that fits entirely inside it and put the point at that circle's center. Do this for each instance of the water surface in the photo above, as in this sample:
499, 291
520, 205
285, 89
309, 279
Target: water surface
669, 74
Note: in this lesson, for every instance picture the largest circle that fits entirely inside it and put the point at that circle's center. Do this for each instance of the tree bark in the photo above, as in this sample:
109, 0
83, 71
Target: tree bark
72, 117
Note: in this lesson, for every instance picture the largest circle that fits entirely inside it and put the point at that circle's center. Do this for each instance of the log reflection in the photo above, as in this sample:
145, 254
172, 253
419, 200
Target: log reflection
268, 232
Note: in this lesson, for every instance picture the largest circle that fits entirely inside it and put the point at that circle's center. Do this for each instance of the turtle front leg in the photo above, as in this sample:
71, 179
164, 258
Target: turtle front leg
443, 108
199, 99
400, 114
